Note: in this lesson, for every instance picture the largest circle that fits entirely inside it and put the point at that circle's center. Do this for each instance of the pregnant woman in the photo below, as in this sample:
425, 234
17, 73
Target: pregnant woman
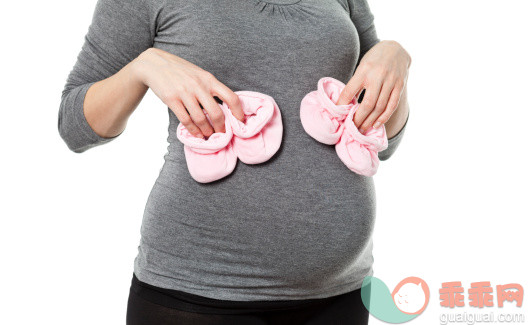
288, 241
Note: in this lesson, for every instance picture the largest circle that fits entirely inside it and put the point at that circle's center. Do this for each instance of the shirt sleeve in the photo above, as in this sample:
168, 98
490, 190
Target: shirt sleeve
363, 19
120, 30
394, 142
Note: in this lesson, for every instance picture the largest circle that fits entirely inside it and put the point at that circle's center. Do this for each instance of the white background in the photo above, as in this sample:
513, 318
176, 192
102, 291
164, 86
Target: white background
451, 201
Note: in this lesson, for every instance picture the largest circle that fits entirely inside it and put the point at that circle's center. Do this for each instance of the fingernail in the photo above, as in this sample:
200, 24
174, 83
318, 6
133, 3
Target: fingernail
376, 125
362, 131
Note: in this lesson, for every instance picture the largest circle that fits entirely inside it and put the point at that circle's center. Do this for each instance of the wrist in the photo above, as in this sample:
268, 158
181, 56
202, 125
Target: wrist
138, 72
400, 50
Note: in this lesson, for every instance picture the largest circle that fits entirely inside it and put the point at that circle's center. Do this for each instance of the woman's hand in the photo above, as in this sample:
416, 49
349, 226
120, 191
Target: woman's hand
383, 73
183, 86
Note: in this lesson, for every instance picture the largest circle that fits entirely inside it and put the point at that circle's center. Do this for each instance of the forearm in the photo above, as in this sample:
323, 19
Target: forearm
109, 103
398, 118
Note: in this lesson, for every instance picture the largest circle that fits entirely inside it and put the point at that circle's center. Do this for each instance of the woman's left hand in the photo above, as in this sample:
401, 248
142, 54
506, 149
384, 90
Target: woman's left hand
383, 73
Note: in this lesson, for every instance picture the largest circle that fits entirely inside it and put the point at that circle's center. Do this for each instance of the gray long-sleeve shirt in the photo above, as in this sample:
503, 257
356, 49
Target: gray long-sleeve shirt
296, 227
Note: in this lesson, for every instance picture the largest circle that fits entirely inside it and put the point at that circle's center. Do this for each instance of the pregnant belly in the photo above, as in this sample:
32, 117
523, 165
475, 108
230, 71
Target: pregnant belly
230, 235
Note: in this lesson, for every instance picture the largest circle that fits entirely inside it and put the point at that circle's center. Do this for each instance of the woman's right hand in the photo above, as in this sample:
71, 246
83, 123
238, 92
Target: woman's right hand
183, 86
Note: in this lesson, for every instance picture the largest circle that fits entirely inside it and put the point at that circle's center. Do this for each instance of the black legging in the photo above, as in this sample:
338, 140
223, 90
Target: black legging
147, 307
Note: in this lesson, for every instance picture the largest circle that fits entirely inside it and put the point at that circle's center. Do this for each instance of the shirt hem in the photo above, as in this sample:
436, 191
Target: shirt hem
153, 279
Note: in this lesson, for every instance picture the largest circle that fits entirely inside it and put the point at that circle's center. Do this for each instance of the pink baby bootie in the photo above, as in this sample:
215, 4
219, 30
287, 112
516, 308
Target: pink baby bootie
211, 159
333, 124
260, 137
359, 151
254, 141
321, 118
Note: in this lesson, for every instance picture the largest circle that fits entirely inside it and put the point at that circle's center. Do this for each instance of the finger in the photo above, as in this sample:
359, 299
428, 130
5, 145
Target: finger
380, 107
182, 115
213, 110
352, 89
394, 101
230, 98
370, 99
197, 115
